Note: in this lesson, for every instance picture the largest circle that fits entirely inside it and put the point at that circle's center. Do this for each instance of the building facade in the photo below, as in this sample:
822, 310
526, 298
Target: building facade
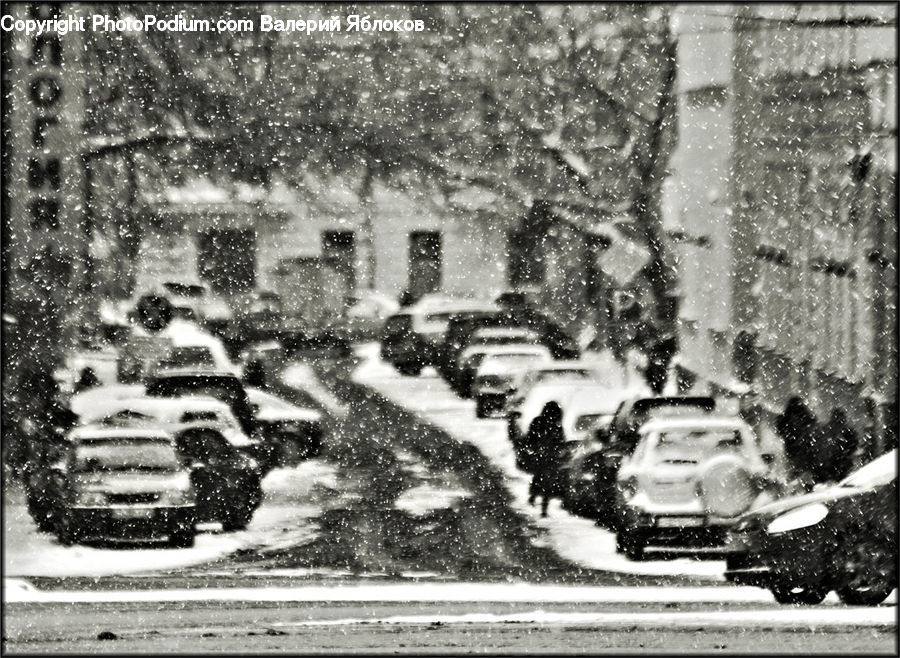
240, 239
786, 172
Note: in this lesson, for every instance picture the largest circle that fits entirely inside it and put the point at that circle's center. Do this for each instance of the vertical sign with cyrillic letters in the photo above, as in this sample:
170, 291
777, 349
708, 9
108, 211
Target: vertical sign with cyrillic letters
45, 231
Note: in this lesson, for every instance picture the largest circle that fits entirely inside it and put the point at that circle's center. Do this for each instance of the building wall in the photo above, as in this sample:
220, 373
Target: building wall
803, 140
697, 203
290, 225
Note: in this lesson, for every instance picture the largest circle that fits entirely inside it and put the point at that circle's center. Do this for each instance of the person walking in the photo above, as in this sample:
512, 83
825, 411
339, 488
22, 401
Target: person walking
545, 441
797, 426
840, 444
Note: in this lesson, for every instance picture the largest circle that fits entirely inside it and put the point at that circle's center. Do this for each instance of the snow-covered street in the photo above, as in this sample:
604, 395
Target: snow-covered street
573, 538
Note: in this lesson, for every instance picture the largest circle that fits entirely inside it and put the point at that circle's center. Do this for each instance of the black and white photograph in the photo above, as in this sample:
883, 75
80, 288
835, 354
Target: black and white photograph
449, 328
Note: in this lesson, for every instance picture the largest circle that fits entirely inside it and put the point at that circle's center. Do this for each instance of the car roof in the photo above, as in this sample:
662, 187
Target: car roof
698, 422
106, 432
194, 372
503, 331
568, 364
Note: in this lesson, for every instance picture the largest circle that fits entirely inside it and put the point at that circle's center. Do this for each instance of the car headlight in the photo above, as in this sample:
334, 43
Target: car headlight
91, 498
801, 517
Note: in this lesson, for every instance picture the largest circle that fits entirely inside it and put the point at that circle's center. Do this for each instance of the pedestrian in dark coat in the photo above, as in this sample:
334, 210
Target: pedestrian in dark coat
840, 444
545, 440
796, 426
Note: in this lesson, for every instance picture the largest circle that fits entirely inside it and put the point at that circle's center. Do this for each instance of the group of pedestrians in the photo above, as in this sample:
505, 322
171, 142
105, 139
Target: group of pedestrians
816, 452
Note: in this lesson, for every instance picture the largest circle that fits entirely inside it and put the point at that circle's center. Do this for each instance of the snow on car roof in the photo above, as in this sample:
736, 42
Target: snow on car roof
82, 402
594, 398
106, 432
485, 332
163, 409
698, 422
274, 408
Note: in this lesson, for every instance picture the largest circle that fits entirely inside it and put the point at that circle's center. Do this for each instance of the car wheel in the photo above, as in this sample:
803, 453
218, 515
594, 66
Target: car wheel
182, 537
868, 574
409, 369
631, 544
238, 518
798, 594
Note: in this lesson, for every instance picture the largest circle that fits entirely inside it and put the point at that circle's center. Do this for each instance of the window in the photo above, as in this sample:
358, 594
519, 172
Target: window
526, 263
227, 259
339, 249
425, 262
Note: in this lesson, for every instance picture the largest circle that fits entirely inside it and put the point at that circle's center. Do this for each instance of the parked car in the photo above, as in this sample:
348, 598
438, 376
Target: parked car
496, 375
366, 314
462, 326
841, 537
125, 483
227, 482
634, 412
459, 327
181, 413
294, 433
541, 384
687, 481
482, 342
222, 385
410, 339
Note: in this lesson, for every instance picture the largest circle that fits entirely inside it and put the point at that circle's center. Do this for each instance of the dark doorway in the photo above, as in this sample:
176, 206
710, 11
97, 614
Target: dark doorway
226, 259
425, 262
339, 249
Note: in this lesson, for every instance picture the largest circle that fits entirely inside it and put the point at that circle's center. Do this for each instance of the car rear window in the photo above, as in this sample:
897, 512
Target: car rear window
93, 456
693, 446
188, 357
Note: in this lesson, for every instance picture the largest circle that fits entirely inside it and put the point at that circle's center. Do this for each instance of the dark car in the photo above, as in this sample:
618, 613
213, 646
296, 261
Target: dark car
227, 481
461, 329
842, 537
224, 386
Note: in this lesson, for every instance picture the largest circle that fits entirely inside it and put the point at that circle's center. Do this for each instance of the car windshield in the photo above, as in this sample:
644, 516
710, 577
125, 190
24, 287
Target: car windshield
187, 387
188, 357
878, 472
184, 289
692, 446
560, 375
211, 418
125, 454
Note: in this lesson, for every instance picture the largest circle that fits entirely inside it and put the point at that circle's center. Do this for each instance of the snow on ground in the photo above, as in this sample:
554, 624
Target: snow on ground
574, 538
303, 377
805, 617
20, 590
28, 552
424, 498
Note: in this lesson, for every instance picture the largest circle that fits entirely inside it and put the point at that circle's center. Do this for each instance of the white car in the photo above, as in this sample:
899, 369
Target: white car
541, 384
177, 414
481, 343
687, 481
497, 373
